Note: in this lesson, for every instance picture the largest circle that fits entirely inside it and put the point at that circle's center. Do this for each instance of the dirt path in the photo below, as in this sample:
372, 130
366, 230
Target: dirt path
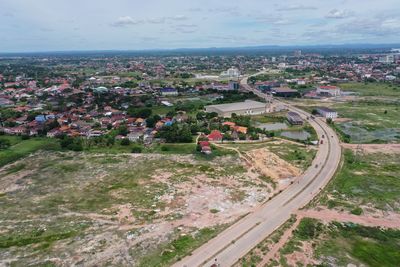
272, 253
392, 221
375, 148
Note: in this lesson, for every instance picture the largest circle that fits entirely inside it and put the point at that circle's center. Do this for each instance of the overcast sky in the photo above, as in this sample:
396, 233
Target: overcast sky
48, 25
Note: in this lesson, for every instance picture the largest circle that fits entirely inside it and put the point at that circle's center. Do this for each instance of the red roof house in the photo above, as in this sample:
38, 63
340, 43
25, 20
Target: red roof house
215, 135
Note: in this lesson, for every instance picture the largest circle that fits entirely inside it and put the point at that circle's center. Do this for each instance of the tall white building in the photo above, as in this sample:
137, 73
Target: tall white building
387, 59
231, 73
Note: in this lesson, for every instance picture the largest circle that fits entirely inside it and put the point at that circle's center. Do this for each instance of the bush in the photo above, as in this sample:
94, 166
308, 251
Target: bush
357, 211
125, 142
164, 148
4, 143
25, 137
309, 228
137, 149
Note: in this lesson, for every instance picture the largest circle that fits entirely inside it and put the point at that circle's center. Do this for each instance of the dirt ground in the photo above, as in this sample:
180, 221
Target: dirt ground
375, 148
389, 219
271, 165
195, 194
273, 252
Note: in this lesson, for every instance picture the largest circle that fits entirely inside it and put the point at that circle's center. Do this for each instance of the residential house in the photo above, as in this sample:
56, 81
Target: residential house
215, 136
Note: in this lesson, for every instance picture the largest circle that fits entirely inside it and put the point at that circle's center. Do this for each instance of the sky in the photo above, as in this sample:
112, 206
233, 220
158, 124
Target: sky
68, 25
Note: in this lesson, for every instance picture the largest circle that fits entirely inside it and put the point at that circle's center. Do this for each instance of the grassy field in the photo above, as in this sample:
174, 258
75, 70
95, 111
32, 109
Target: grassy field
365, 180
21, 148
372, 89
340, 244
373, 115
370, 122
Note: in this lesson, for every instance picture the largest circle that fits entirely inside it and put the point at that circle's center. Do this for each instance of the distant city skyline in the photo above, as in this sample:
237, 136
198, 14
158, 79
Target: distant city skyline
45, 25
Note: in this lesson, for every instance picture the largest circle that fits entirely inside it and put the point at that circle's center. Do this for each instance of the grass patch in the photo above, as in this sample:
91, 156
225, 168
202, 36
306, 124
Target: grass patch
372, 89
22, 148
178, 248
370, 179
349, 243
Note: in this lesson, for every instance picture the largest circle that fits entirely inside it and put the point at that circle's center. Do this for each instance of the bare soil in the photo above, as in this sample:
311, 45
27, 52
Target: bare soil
375, 148
270, 165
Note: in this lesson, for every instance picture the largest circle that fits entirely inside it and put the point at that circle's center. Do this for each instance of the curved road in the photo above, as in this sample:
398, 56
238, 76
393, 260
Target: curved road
237, 240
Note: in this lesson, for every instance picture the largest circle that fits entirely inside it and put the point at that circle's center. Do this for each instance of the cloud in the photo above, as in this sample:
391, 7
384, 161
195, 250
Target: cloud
8, 14
126, 21
338, 14
274, 20
295, 7
186, 28
195, 9
178, 17
234, 10
44, 29
156, 20
376, 27
282, 22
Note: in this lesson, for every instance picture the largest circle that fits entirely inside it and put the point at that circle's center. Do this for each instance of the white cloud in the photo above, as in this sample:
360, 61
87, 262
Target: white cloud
126, 21
178, 17
338, 14
156, 20
295, 7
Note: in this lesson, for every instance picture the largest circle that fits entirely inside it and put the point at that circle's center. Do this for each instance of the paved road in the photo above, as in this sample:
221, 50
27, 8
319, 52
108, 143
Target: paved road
236, 241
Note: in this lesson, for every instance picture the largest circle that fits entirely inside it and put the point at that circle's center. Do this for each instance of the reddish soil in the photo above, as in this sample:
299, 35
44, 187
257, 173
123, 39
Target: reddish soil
375, 148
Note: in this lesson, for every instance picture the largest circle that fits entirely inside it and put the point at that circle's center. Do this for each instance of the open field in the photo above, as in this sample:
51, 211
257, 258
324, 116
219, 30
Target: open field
363, 121
372, 89
370, 122
340, 244
294, 153
21, 148
365, 183
257, 254
370, 117
67, 208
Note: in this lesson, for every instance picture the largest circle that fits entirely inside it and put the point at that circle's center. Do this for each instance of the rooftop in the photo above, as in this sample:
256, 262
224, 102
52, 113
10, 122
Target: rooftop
325, 109
248, 104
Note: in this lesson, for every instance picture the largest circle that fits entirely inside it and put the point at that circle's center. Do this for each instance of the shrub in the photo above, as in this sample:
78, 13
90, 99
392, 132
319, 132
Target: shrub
357, 211
137, 149
125, 142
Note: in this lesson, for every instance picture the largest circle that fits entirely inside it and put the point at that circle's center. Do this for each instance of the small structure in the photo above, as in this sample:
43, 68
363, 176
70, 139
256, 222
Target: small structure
100, 90
168, 91
294, 118
327, 113
205, 147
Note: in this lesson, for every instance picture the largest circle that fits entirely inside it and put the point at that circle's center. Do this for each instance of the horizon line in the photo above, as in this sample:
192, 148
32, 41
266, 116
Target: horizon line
376, 45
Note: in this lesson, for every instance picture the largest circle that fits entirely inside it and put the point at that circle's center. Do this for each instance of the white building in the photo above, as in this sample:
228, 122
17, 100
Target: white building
328, 90
327, 113
230, 73
248, 107
387, 59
